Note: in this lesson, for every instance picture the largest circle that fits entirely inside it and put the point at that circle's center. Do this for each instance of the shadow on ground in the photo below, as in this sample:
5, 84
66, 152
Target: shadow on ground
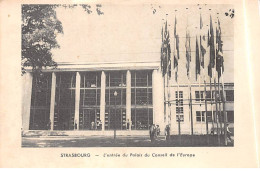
125, 141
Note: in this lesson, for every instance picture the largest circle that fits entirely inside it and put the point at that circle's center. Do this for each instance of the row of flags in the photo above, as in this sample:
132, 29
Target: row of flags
215, 51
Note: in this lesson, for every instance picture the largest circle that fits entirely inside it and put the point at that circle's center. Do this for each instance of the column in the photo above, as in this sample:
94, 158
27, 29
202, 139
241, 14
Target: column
27, 94
52, 103
77, 100
158, 101
102, 99
128, 98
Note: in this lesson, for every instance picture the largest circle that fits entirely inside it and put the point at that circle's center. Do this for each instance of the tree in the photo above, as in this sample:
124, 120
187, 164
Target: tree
40, 27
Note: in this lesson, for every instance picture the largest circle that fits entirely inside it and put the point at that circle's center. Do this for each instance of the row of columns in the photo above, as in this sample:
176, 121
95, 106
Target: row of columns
157, 99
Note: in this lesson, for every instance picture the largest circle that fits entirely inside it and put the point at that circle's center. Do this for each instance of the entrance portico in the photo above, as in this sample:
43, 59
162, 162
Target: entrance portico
80, 97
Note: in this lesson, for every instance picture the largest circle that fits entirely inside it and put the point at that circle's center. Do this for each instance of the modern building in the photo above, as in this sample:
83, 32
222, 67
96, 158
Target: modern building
126, 96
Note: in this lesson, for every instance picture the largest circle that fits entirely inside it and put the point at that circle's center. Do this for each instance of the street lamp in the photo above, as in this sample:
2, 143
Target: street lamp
115, 94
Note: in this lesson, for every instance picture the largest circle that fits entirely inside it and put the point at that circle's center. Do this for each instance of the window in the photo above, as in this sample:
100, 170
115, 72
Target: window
230, 116
179, 106
200, 116
141, 118
40, 102
65, 101
209, 95
199, 95
89, 119
230, 95
115, 118
115, 98
141, 99
89, 115
116, 79
209, 116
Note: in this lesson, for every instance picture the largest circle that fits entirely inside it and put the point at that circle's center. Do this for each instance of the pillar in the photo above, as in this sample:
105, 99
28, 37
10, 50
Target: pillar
102, 99
77, 100
27, 94
158, 101
128, 98
52, 103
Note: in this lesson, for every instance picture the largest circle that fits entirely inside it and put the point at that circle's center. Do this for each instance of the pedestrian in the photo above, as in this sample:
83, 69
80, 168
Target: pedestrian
76, 125
92, 125
98, 124
127, 125
49, 125
167, 132
228, 133
158, 130
152, 132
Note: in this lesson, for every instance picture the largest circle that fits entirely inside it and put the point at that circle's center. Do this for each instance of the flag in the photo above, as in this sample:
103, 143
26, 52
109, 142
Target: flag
175, 23
176, 50
208, 38
202, 43
197, 68
163, 57
212, 49
165, 52
169, 56
219, 53
188, 55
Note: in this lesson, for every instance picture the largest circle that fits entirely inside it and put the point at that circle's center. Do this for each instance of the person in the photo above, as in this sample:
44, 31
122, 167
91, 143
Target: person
167, 132
76, 125
98, 124
127, 124
228, 133
158, 130
92, 125
49, 125
152, 132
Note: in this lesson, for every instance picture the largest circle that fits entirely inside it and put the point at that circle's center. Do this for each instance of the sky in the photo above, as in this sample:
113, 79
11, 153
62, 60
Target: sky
133, 33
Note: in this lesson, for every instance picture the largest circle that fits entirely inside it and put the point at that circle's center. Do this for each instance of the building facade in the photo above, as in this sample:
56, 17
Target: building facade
127, 97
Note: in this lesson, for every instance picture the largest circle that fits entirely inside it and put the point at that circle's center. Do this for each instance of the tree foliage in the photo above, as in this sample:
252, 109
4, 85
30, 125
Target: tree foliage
40, 27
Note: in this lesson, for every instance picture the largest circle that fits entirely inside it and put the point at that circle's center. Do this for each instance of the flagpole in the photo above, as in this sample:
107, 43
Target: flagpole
220, 69
204, 77
211, 103
224, 108
190, 91
221, 130
216, 103
191, 100
167, 71
220, 117
205, 100
200, 106
179, 124
206, 110
176, 66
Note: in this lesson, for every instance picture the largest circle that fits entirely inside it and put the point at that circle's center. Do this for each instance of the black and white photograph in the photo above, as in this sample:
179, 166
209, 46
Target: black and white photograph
139, 75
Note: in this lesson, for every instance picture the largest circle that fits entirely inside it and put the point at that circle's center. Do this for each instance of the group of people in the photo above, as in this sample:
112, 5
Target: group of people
155, 131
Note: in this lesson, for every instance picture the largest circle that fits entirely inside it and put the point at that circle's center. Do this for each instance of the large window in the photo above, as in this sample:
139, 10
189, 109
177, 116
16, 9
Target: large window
141, 99
40, 102
179, 106
115, 113
89, 115
65, 101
